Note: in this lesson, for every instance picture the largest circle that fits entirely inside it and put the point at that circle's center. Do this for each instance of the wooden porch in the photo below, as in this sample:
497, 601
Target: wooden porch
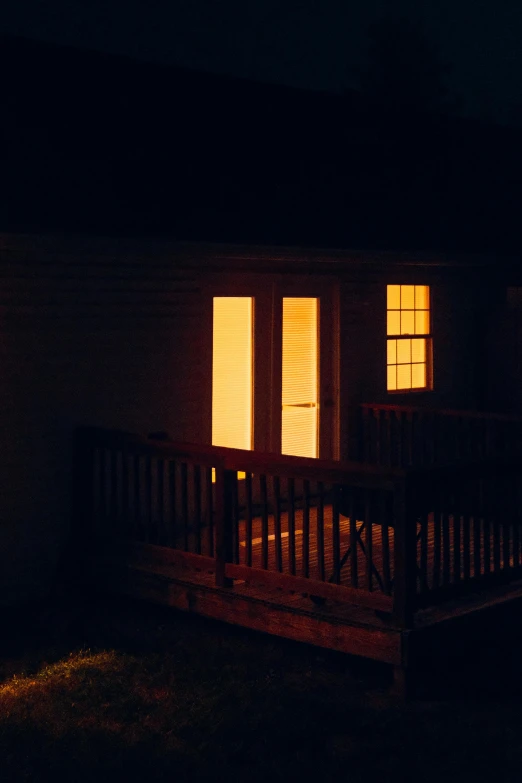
363, 558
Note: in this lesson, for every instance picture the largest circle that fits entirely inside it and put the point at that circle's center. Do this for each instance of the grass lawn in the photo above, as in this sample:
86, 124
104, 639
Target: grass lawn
120, 689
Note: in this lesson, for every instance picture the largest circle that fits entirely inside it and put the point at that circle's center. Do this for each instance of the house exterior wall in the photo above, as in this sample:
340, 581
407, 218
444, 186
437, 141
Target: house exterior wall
119, 335
105, 340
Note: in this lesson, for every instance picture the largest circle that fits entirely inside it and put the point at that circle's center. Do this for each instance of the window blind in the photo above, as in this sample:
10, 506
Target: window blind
300, 381
232, 372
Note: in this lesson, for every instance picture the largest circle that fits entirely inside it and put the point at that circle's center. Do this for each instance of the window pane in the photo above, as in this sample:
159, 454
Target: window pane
394, 322
422, 297
407, 322
232, 372
394, 297
407, 297
418, 376
403, 351
422, 322
404, 376
418, 350
392, 351
392, 377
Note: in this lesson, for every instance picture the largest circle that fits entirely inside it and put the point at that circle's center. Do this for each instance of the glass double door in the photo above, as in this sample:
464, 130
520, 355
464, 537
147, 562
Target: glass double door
267, 374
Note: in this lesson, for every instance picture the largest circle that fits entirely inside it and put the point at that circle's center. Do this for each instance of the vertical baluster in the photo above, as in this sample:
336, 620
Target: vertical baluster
209, 511
138, 531
172, 523
320, 531
235, 520
445, 540
477, 522
400, 434
336, 543
160, 506
515, 520
197, 507
184, 505
496, 520
264, 521
113, 496
148, 498
126, 528
248, 520
456, 536
368, 528
437, 533
291, 525
102, 487
423, 561
378, 450
385, 533
277, 523
366, 434
505, 521
486, 526
353, 540
388, 437
466, 522
306, 528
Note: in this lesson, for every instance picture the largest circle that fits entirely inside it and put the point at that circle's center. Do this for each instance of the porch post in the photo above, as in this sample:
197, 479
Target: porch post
225, 487
405, 559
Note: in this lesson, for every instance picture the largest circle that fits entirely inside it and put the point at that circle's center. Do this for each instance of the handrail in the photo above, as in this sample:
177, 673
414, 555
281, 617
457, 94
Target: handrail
329, 471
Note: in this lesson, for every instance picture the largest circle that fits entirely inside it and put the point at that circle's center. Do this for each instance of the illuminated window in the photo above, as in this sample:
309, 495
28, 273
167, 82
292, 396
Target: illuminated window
232, 372
300, 377
409, 345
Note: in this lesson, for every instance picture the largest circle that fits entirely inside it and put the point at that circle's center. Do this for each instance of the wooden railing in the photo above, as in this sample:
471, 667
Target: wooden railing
387, 539
469, 527
404, 436
322, 528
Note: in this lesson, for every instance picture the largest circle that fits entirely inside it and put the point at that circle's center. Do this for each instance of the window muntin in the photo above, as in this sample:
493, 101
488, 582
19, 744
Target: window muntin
409, 338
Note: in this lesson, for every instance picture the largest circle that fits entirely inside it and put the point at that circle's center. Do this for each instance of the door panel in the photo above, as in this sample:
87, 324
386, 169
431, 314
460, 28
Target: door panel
300, 381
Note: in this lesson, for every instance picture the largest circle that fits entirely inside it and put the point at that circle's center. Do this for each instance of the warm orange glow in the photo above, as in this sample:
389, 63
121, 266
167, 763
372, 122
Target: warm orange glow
408, 313
232, 372
300, 377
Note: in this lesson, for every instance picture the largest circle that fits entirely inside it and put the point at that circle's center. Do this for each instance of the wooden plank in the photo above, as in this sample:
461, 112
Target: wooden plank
306, 529
368, 528
320, 531
184, 503
277, 523
385, 544
197, 506
135, 551
291, 525
334, 592
353, 541
248, 513
172, 519
336, 538
264, 518
210, 510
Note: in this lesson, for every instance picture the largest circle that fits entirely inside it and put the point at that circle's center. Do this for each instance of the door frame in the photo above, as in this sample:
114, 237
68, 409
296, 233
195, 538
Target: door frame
267, 292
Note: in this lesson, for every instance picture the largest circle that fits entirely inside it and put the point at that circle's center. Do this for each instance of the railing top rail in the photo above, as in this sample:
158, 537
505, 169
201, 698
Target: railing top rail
458, 470
464, 414
328, 471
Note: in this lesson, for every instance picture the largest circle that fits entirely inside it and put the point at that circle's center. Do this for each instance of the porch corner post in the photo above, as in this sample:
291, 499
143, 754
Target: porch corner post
405, 556
225, 484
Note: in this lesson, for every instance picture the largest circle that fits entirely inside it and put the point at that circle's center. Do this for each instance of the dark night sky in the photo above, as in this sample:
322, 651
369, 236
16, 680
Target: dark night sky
306, 43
